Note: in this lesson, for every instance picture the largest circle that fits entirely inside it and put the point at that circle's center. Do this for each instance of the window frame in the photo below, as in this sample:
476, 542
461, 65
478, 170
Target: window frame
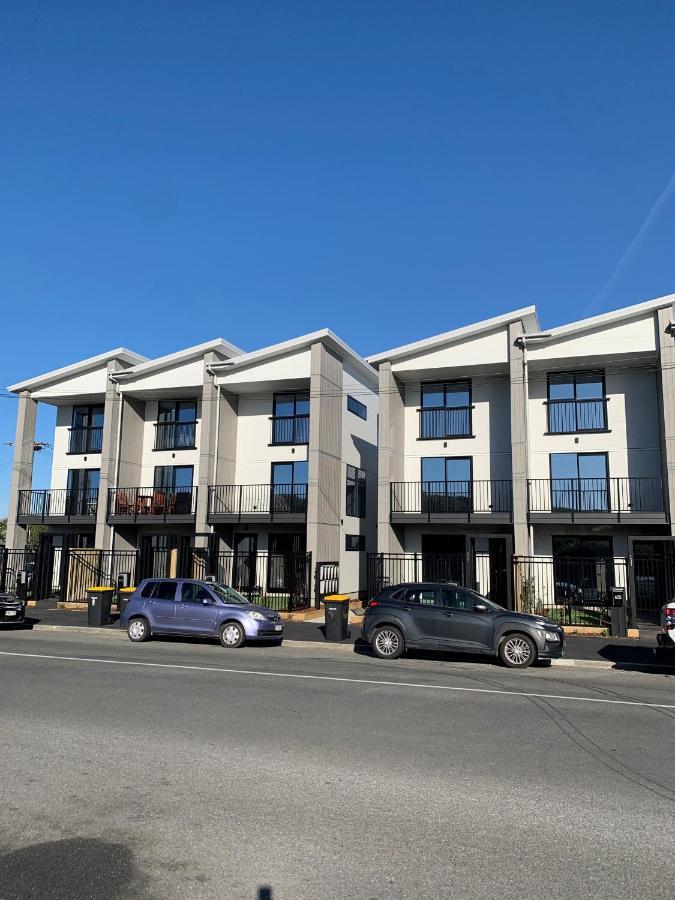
357, 408
577, 479
355, 492
467, 384
360, 540
556, 377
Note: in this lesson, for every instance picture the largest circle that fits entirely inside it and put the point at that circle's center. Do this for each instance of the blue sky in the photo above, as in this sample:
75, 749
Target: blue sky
174, 172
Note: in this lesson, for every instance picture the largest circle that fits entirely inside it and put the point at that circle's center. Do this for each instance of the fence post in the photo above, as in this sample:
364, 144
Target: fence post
417, 576
173, 562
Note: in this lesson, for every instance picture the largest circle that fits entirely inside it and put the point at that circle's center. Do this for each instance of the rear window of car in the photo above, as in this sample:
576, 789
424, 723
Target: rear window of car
389, 594
424, 596
148, 589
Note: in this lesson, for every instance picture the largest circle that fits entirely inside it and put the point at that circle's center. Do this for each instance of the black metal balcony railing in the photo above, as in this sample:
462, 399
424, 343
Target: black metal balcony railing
290, 429
444, 422
254, 499
430, 497
87, 439
139, 503
64, 503
175, 435
584, 495
569, 416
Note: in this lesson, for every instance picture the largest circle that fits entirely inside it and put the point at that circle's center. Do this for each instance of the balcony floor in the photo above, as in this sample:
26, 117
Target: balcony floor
149, 519
487, 518
565, 517
56, 520
261, 518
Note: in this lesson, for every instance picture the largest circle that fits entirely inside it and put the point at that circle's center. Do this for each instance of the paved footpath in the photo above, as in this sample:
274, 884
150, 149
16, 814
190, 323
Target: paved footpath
178, 769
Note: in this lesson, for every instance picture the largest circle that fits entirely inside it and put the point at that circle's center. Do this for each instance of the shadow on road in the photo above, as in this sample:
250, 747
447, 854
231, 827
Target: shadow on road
71, 869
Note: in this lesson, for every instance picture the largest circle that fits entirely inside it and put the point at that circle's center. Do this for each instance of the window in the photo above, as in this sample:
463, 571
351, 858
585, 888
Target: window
194, 593
173, 478
173, 490
447, 484
290, 420
355, 542
289, 486
577, 402
176, 424
423, 596
165, 590
579, 482
356, 492
355, 406
86, 432
458, 598
149, 588
446, 410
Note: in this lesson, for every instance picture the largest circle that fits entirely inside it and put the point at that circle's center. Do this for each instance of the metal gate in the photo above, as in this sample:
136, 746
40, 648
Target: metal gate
12, 562
654, 585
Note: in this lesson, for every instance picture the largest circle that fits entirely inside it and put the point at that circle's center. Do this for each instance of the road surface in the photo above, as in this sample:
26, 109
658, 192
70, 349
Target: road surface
178, 769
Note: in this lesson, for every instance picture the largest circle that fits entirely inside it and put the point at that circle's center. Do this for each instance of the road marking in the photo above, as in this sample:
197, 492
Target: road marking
371, 681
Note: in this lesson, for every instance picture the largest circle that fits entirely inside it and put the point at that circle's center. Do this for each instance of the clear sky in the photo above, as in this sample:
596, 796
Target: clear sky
173, 172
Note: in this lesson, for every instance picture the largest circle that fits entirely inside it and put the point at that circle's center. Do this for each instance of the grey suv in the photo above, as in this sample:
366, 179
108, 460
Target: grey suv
448, 617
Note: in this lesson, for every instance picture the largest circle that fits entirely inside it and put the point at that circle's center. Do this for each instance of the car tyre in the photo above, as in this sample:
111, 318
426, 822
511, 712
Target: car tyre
387, 642
517, 651
232, 635
138, 630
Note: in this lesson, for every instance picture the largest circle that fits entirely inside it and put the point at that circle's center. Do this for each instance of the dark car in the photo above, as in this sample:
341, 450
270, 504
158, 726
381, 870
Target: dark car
12, 610
200, 608
448, 617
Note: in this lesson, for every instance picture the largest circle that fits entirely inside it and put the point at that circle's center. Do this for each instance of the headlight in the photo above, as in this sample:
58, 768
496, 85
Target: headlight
256, 615
551, 636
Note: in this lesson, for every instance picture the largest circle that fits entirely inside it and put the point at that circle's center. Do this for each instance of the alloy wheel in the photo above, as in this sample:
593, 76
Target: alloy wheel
387, 642
517, 651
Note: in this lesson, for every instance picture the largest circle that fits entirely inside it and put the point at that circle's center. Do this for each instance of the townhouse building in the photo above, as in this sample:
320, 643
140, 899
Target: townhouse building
535, 466
258, 468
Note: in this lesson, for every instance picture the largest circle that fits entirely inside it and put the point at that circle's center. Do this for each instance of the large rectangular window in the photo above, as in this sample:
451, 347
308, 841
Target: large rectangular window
356, 492
446, 410
82, 492
176, 425
290, 419
577, 402
579, 482
86, 431
173, 489
446, 484
289, 486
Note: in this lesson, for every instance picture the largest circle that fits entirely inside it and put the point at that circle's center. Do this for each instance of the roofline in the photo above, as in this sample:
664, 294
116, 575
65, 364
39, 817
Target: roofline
166, 361
325, 335
83, 365
616, 315
457, 334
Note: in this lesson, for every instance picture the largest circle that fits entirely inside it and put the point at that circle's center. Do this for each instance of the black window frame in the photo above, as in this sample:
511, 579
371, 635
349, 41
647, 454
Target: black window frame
445, 433
357, 408
177, 426
355, 496
574, 401
92, 435
298, 433
442, 501
576, 487
358, 539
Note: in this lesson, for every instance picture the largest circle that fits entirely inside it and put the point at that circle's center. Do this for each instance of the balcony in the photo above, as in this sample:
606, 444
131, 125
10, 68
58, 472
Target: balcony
574, 416
175, 435
441, 422
450, 501
85, 439
58, 507
288, 430
257, 503
150, 505
587, 500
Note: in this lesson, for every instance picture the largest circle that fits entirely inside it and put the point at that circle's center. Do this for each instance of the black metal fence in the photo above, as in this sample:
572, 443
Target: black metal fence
63, 503
85, 568
612, 495
235, 500
175, 435
290, 429
572, 590
443, 497
85, 439
13, 562
138, 503
569, 416
442, 422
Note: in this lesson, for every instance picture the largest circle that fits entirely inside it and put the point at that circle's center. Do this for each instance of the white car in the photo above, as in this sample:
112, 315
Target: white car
666, 639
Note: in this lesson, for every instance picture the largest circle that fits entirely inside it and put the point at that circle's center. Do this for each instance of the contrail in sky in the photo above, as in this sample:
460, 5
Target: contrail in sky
651, 216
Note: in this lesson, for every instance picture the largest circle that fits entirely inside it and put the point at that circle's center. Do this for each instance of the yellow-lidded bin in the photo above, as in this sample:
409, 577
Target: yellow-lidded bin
99, 601
336, 607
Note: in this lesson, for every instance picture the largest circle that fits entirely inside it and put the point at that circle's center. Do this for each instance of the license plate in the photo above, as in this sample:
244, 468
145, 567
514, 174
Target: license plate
10, 612
278, 627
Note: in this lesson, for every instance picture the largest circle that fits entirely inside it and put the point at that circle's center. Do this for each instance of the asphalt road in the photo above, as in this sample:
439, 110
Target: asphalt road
181, 770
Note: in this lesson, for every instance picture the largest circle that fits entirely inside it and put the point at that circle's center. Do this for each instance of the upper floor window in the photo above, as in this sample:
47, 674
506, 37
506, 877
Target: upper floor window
446, 484
446, 410
176, 425
356, 492
86, 432
290, 419
579, 482
289, 486
355, 406
577, 402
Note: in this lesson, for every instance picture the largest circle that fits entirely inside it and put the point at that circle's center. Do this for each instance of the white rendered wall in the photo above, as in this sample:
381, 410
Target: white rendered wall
151, 458
62, 461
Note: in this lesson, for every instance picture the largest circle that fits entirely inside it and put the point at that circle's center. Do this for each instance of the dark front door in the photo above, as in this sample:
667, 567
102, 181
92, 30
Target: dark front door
498, 592
245, 563
284, 550
461, 627
444, 557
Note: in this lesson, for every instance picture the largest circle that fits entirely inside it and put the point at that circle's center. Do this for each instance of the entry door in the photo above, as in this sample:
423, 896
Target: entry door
498, 572
245, 559
283, 552
461, 628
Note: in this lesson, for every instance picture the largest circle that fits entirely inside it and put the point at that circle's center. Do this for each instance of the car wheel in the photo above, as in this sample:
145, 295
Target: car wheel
138, 630
232, 635
387, 642
517, 651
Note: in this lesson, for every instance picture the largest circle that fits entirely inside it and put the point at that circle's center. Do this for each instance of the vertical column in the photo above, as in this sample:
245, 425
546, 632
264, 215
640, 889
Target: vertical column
109, 445
22, 467
391, 455
666, 342
324, 491
519, 468
217, 446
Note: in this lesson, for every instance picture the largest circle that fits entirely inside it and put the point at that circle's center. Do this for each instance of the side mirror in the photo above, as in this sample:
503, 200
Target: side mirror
480, 607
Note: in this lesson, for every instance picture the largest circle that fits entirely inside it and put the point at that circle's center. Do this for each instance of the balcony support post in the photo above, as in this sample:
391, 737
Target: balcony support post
22, 468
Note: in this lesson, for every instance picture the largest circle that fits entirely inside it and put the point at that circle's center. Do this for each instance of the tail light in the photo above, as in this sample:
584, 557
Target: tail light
670, 613
373, 603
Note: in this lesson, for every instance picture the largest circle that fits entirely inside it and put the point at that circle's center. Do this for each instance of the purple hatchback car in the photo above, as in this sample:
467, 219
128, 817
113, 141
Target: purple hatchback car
185, 606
